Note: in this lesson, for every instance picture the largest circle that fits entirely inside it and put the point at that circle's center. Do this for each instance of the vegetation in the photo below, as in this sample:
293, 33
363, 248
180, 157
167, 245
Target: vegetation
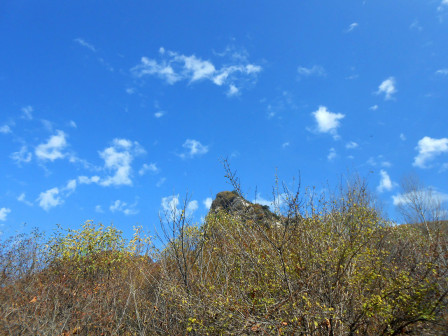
325, 265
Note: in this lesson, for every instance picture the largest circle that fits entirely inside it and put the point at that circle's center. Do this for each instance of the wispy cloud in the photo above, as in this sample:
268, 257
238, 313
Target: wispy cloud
174, 67
53, 148
208, 202
415, 25
373, 108
192, 207
49, 199
443, 5
22, 156
85, 44
386, 183
352, 27
262, 201
194, 148
88, 180
4, 213
442, 72
117, 159
332, 154
152, 168
428, 148
388, 88
378, 161
327, 122
280, 104
27, 112
5, 129
160, 182
233, 90
351, 145
120, 206
428, 195
170, 205
22, 198
315, 70
159, 114
55, 196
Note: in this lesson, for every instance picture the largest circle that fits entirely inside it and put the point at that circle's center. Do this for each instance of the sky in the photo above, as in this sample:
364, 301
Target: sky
115, 111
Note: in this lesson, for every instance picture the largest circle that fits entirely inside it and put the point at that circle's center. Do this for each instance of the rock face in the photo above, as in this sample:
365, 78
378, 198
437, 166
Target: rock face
235, 205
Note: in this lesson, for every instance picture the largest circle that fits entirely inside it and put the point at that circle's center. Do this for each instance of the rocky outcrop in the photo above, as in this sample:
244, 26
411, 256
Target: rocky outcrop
235, 205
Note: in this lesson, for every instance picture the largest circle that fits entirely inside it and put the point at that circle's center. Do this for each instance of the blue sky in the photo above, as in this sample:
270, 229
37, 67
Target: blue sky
114, 110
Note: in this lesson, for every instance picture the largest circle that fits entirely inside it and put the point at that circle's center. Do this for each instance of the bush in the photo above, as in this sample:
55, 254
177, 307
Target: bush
325, 265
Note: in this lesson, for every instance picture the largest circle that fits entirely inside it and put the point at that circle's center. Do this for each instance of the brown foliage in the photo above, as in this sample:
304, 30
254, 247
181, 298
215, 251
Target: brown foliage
326, 266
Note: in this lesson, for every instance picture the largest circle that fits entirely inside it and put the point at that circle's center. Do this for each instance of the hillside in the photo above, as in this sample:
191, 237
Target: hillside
332, 267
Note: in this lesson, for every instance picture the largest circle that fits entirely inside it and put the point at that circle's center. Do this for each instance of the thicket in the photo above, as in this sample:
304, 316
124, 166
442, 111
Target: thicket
325, 265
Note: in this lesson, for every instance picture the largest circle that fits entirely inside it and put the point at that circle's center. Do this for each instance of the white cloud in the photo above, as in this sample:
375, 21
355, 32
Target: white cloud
280, 104
233, 90
428, 194
88, 180
4, 213
152, 167
262, 201
159, 114
428, 148
99, 209
160, 182
316, 70
327, 122
48, 125
373, 108
195, 68
442, 72
194, 148
351, 145
443, 5
169, 204
387, 87
174, 67
27, 112
22, 198
192, 207
416, 25
71, 186
378, 161
332, 154
52, 149
73, 124
22, 156
49, 199
123, 207
55, 196
5, 129
208, 202
402, 137
285, 144
151, 67
351, 27
84, 44
118, 159
386, 183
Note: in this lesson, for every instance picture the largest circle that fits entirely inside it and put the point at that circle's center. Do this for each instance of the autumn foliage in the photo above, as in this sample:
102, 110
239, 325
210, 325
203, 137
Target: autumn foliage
325, 265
